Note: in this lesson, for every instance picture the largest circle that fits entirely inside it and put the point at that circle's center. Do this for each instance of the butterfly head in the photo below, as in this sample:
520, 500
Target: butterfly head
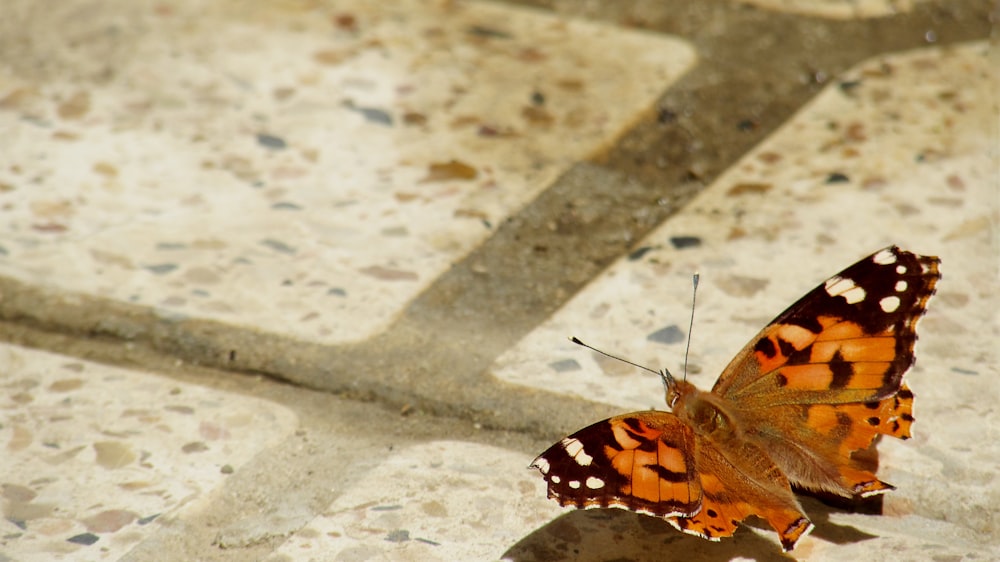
670, 388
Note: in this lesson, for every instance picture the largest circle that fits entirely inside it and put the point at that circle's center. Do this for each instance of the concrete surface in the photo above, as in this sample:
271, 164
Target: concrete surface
293, 280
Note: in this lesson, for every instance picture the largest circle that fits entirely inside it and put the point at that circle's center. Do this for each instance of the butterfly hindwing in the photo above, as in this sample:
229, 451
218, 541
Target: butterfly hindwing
738, 480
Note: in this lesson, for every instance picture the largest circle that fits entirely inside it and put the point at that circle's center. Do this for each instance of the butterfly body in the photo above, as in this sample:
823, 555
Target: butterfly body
802, 404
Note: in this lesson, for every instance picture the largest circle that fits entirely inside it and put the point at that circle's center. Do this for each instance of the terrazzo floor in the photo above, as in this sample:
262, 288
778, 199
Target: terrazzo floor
294, 280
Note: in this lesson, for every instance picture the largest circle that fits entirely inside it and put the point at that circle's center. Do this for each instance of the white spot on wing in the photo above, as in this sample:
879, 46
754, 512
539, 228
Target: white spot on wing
885, 257
871, 493
808, 530
556, 479
900, 269
575, 484
691, 531
855, 295
622, 505
831, 285
594, 483
901, 286
574, 448
541, 464
889, 304
844, 287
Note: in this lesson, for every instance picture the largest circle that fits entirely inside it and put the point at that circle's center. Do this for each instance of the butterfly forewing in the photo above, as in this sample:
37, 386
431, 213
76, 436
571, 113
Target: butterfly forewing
641, 461
849, 340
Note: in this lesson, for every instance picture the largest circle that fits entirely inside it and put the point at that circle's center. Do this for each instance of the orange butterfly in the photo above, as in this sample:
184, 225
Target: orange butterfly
801, 404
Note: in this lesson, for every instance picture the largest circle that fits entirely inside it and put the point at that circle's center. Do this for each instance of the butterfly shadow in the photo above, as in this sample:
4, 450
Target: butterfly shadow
617, 535
820, 505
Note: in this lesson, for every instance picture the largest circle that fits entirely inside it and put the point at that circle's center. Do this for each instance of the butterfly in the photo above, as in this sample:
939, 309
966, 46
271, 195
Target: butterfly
801, 404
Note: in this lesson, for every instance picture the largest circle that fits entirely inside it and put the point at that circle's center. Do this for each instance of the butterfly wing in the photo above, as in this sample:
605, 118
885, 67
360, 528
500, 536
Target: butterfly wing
826, 376
653, 463
731, 493
643, 461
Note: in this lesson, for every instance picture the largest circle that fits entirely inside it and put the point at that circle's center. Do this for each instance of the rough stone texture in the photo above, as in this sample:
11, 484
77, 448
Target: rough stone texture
294, 167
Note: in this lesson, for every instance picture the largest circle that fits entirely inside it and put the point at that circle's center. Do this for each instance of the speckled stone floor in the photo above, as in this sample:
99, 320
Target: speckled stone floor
293, 280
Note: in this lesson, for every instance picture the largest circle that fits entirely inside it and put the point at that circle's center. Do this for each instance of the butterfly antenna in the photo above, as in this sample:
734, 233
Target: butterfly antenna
664, 374
694, 296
